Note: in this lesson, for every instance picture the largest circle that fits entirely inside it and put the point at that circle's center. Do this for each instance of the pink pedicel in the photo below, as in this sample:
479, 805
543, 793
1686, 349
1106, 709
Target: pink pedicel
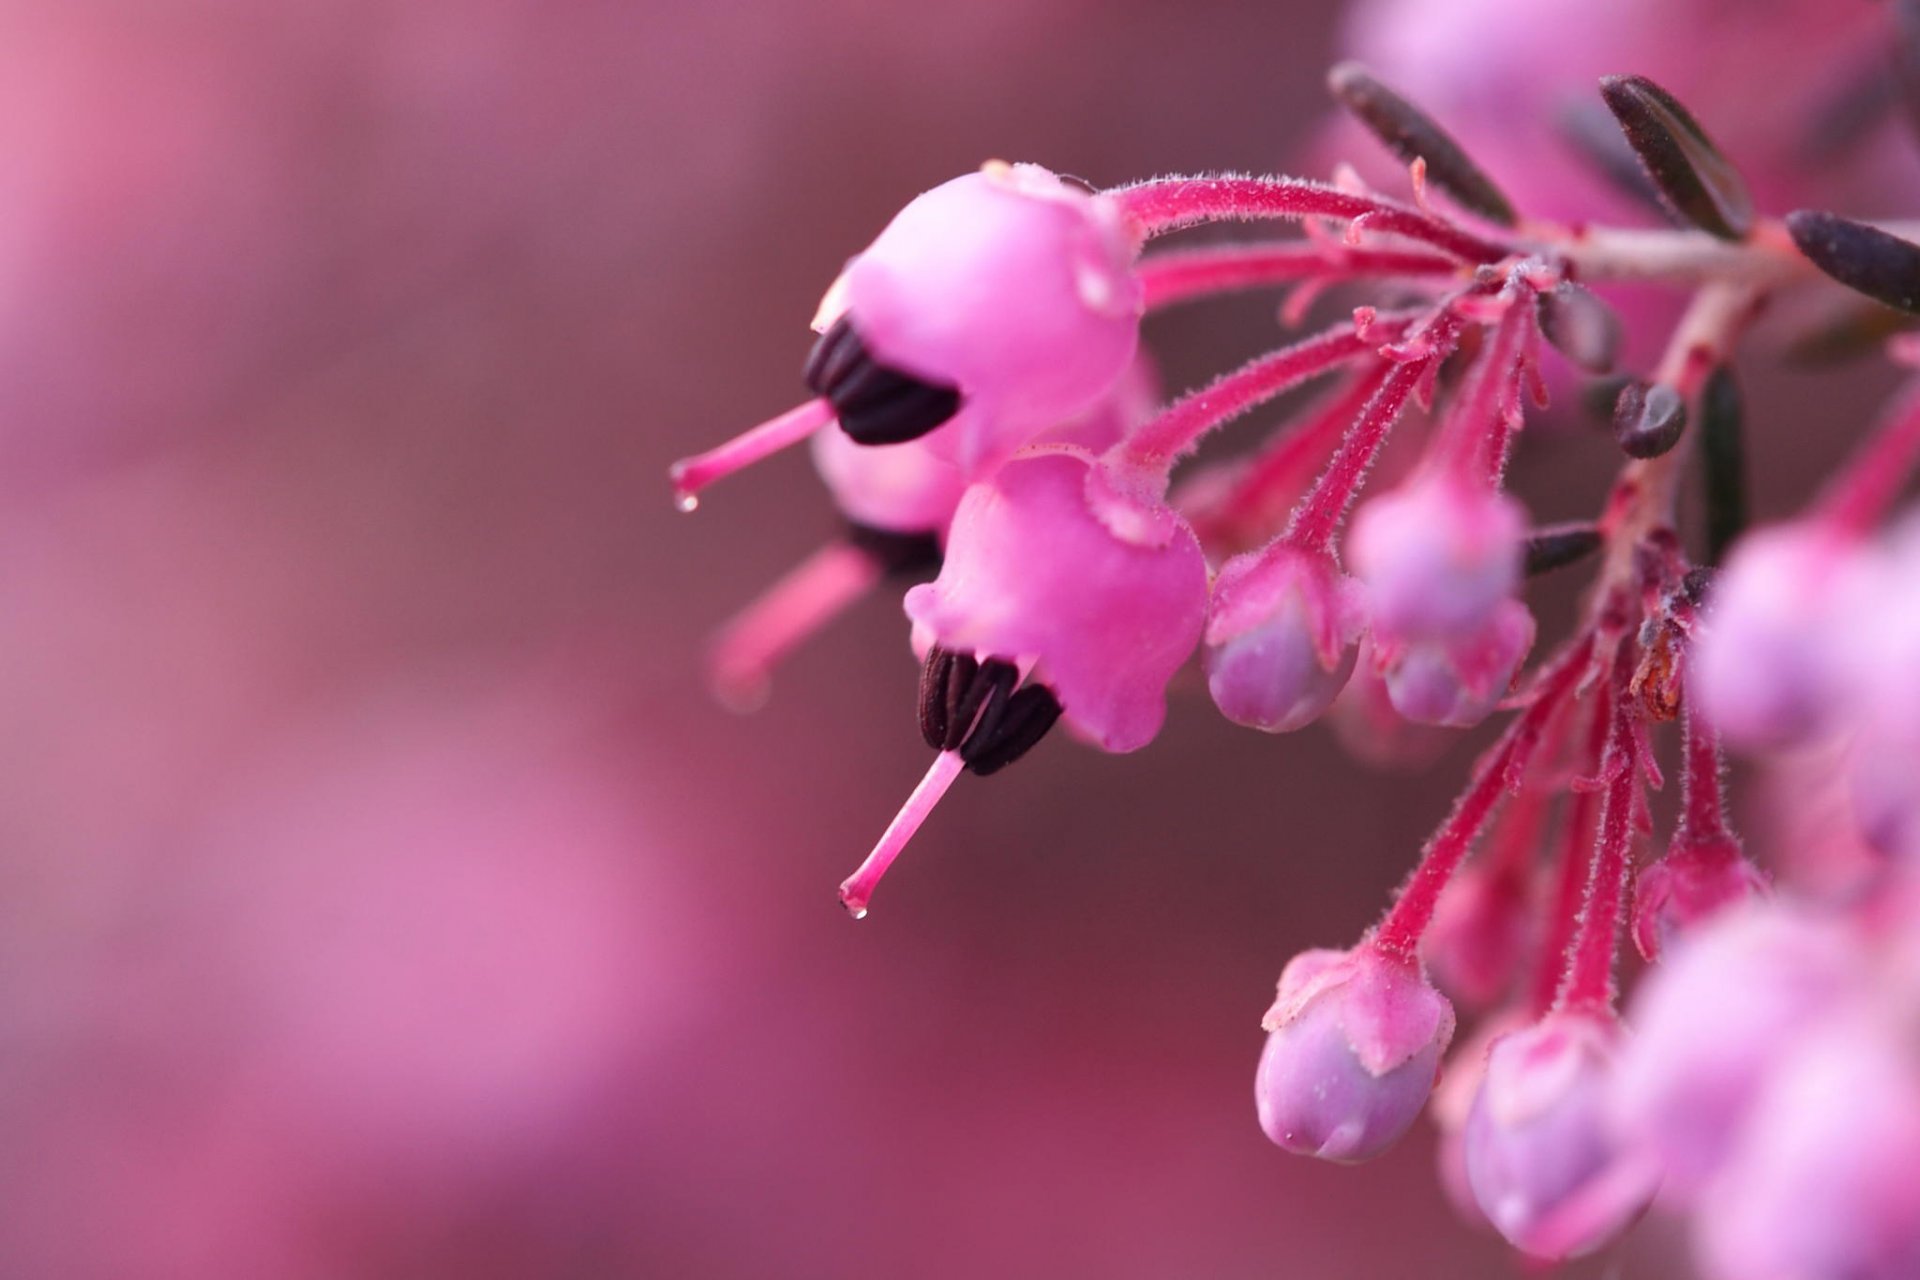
1458, 681
1281, 638
1540, 1152
1771, 666
1711, 1023
1353, 1047
1437, 555
1825, 1181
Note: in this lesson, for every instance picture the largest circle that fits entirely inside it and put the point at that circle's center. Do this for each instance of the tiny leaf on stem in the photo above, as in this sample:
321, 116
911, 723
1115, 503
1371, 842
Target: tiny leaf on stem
1724, 455
1863, 258
1696, 181
1580, 326
1410, 133
1555, 546
1648, 419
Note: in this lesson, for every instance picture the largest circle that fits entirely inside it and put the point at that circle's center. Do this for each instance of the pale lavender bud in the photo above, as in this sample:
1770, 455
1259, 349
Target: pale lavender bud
1457, 682
1826, 1180
1437, 556
1541, 1156
1711, 1022
1354, 1045
1771, 667
1281, 638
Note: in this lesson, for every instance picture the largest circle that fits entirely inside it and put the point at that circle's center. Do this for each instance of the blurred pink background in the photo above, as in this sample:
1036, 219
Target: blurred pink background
380, 893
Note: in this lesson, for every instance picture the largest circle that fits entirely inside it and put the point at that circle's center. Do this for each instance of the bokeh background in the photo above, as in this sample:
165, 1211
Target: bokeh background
380, 892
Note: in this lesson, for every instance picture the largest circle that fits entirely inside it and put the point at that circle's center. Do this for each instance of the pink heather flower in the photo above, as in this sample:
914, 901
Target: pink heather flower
1700, 877
1354, 1045
1437, 555
1712, 1022
1281, 638
1541, 1157
1035, 578
904, 488
990, 310
1453, 1096
1458, 682
1826, 1180
1771, 667
1009, 285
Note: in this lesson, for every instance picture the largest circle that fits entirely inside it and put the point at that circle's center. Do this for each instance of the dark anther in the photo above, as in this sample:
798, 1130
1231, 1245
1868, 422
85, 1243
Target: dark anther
915, 554
1030, 712
1863, 258
1410, 133
981, 698
935, 674
1557, 545
1648, 419
875, 404
1695, 586
1696, 182
977, 709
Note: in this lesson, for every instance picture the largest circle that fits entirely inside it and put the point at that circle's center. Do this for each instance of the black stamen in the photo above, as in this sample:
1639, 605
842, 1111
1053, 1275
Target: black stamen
935, 674
897, 553
981, 703
961, 679
875, 404
1030, 712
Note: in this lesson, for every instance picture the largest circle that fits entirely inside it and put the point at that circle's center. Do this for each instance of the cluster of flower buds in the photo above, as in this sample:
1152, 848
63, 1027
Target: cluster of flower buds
983, 409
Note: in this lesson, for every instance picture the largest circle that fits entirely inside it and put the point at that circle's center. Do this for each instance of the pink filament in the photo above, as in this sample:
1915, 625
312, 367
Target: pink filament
811, 594
1589, 979
691, 475
1181, 275
857, 889
1169, 204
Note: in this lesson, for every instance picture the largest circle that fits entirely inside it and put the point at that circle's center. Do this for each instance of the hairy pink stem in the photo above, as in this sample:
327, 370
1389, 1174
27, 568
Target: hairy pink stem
1483, 439
1859, 495
1496, 772
811, 594
1183, 274
691, 475
1579, 833
1169, 204
1589, 978
1179, 426
1703, 808
1318, 516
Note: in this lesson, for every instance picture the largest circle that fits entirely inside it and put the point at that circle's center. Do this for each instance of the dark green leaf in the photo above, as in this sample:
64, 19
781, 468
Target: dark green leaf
1410, 133
1694, 179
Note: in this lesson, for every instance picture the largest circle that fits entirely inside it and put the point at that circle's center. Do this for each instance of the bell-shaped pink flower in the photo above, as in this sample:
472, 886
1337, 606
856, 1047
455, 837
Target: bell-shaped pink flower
1035, 578
1457, 682
1460, 1077
1710, 1025
1012, 287
1282, 637
1541, 1156
1771, 666
1826, 1179
1437, 555
1701, 876
1354, 1045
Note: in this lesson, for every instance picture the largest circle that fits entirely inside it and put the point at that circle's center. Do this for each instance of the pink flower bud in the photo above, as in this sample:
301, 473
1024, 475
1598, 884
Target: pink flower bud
1010, 285
1457, 682
1699, 877
1541, 1157
1437, 556
1770, 667
1826, 1182
1711, 1022
1481, 930
1354, 1047
1035, 578
1281, 638
1460, 1078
